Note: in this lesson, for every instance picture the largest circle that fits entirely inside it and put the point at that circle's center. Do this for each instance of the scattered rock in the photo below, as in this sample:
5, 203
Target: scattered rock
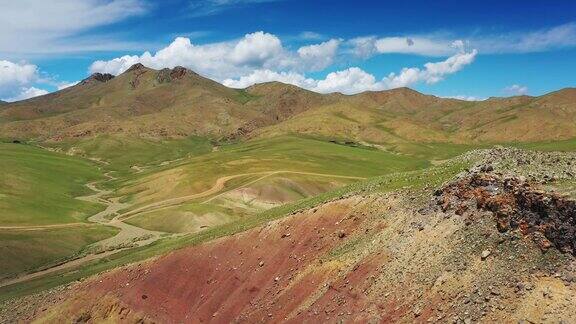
417, 311
516, 204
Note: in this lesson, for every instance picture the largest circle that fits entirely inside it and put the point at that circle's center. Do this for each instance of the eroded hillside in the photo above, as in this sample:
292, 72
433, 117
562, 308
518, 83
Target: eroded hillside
492, 244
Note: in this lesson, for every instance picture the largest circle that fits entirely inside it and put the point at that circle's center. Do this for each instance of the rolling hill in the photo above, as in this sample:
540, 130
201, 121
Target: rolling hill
178, 103
171, 103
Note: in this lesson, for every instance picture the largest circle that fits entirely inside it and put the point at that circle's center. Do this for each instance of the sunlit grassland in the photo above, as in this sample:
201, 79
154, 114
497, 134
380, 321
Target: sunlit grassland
38, 187
286, 153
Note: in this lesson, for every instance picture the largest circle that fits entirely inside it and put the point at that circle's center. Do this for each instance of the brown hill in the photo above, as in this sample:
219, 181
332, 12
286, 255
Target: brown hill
174, 103
148, 103
404, 115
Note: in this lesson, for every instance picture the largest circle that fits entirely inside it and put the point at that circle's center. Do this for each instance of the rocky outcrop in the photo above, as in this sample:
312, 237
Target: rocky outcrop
136, 67
516, 204
97, 78
168, 75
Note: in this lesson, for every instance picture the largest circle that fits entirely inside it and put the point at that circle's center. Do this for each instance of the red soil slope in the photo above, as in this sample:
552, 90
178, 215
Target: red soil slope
358, 259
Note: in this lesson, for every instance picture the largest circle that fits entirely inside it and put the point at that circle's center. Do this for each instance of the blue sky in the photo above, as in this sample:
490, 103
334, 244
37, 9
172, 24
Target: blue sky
445, 48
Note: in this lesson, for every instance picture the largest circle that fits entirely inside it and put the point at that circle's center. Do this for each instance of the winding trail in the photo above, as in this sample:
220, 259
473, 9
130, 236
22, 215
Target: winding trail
128, 237
128, 233
131, 236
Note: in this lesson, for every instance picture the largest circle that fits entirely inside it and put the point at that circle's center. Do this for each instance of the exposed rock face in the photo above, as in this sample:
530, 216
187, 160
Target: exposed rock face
163, 76
137, 71
135, 67
168, 75
98, 77
178, 72
549, 218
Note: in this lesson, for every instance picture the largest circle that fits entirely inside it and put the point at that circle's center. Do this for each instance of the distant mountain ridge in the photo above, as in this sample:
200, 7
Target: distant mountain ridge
175, 103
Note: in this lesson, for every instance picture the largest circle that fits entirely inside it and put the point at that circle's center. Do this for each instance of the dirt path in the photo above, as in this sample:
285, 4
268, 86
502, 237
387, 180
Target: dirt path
129, 235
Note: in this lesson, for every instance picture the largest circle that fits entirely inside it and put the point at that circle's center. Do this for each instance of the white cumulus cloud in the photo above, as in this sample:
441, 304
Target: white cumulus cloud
349, 81
355, 80
15, 76
17, 73
256, 49
432, 72
318, 56
23, 80
261, 76
231, 59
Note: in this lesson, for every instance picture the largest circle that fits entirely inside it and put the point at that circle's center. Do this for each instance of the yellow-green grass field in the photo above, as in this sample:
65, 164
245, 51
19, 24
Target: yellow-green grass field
279, 154
241, 197
38, 187
125, 154
27, 250
41, 222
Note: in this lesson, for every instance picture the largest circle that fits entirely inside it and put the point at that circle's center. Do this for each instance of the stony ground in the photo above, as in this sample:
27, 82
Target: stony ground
471, 251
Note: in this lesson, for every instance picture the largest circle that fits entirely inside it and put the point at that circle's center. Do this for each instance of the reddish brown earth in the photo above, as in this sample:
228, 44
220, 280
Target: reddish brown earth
244, 277
366, 258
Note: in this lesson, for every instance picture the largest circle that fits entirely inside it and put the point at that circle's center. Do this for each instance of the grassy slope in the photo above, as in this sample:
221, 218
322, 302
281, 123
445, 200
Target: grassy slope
22, 251
565, 146
123, 152
232, 205
286, 153
190, 217
38, 187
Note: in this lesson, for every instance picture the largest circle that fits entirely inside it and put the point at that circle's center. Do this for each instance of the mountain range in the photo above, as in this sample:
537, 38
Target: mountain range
176, 103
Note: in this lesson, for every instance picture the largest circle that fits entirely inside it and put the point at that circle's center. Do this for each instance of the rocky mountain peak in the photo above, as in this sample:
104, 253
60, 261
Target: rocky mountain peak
167, 75
98, 77
135, 67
